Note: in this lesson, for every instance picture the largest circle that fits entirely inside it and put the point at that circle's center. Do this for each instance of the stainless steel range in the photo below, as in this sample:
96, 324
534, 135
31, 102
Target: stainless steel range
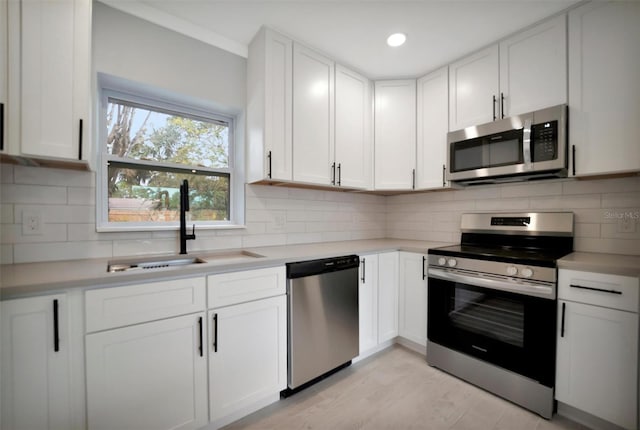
492, 304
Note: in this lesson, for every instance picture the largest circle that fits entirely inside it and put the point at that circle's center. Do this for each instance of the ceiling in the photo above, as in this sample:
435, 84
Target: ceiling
353, 32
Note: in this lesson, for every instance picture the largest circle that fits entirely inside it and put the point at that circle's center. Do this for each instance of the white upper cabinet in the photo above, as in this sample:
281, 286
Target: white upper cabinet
432, 128
269, 104
3, 76
525, 72
395, 134
353, 130
604, 94
533, 68
473, 89
49, 79
313, 116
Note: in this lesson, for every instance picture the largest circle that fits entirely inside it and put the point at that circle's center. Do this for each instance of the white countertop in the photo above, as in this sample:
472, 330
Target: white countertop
37, 278
615, 264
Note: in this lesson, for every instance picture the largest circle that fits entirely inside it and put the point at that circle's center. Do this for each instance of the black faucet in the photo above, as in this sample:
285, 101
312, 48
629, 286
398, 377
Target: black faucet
184, 208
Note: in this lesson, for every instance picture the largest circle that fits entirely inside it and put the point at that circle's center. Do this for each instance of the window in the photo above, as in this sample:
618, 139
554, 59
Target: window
148, 148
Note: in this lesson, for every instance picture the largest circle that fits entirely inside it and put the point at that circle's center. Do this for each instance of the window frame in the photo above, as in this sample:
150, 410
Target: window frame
158, 100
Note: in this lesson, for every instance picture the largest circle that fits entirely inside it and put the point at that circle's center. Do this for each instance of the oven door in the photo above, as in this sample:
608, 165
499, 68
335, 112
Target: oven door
510, 330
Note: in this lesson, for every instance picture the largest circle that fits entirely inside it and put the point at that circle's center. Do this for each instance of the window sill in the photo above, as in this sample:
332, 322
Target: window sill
171, 227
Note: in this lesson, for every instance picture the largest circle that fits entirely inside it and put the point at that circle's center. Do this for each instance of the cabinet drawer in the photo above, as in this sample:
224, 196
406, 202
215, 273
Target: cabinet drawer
120, 306
237, 287
611, 291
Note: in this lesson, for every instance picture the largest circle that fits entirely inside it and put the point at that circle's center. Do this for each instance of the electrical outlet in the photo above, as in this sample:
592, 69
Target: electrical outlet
280, 220
626, 225
31, 223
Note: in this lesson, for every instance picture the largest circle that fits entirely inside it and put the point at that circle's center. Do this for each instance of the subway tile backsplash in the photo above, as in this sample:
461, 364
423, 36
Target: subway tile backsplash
279, 216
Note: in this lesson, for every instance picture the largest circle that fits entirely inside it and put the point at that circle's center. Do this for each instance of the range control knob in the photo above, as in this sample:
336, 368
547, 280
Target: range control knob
442, 261
512, 271
452, 262
527, 272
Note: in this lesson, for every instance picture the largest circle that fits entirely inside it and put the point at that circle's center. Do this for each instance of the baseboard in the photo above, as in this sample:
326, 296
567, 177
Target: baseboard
416, 347
247, 410
585, 418
374, 350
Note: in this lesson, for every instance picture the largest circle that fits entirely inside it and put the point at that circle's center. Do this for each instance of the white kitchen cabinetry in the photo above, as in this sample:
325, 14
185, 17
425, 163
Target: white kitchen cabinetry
247, 342
604, 65
597, 354
313, 116
388, 279
269, 104
413, 298
49, 79
432, 128
36, 364
368, 302
148, 370
395, 135
525, 72
3, 75
353, 130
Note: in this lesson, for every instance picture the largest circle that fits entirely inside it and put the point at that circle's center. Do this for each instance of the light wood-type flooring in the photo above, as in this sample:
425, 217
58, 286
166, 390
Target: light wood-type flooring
396, 389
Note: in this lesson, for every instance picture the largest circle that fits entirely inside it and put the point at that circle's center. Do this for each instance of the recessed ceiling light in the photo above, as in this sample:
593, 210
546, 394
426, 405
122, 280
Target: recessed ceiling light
396, 39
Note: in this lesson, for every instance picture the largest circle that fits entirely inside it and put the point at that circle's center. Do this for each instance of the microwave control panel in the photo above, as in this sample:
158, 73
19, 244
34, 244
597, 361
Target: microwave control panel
544, 141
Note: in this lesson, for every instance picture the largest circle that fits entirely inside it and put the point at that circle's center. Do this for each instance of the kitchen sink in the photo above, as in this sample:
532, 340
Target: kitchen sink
179, 260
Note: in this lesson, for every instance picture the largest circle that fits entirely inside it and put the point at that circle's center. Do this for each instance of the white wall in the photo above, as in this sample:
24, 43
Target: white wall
66, 201
597, 205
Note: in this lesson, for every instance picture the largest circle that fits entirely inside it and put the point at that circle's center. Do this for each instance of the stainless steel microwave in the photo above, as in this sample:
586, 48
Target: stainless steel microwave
528, 146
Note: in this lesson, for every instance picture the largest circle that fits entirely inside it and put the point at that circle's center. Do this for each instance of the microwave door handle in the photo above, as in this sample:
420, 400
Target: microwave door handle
526, 144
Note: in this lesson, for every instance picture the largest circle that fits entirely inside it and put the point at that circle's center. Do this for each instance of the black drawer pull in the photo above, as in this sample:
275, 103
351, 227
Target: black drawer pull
215, 332
200, 348
364, 267
564, 305
56, 328
596, 289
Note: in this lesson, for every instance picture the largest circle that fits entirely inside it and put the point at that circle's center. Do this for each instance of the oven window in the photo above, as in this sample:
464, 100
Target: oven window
488, 315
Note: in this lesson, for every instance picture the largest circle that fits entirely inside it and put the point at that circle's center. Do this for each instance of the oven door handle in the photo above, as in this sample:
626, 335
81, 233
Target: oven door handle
529, 289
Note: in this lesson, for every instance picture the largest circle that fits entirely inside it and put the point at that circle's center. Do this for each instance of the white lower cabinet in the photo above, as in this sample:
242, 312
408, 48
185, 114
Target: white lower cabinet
248, 355
597, 350
387, 296
413, 298
148, 376
368, 302
36, 365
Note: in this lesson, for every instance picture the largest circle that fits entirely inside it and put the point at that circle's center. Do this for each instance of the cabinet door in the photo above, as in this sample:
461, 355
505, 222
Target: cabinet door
395, 134
148, 376
433, 125
413, 298
597, 362
313, 117
35, 364
533, 68
54, 77
604, 65
4, 47
473, 89
353, 144
368, 302
248, 354
387, 296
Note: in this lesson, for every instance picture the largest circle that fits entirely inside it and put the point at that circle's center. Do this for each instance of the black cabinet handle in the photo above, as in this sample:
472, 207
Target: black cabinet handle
502, 105
269, 160
339, 174
215, 332
1, 126
56, 327
494, 107
333, 173
80, 141
444, 182
413, 179
364, 262
573, 156
424, 274
564, 305
596, 289
200, 348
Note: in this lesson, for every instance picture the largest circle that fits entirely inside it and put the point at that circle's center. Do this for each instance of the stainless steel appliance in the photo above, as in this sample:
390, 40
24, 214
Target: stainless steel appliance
492, 304
527, 146
323, 323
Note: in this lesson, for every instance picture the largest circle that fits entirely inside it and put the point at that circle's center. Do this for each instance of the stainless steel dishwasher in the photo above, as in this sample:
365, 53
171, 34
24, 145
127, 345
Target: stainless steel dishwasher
322, 318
